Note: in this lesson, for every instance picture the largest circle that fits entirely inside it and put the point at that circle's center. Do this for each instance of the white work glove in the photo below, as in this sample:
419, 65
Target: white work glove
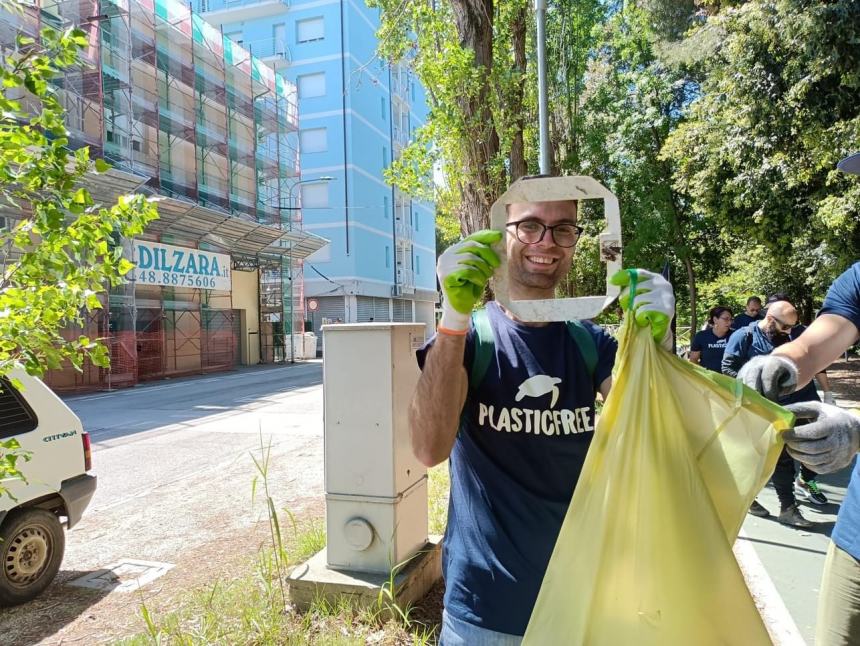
828, 398
774, 376
653, 304
464, 269
828, 442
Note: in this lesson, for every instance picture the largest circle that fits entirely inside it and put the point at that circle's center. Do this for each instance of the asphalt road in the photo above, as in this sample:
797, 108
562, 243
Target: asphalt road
175, 468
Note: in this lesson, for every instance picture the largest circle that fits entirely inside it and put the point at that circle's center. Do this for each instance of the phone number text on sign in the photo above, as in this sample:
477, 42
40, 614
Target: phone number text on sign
170, 266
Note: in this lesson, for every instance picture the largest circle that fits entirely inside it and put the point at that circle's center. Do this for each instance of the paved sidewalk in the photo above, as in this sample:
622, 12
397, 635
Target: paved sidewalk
794, 559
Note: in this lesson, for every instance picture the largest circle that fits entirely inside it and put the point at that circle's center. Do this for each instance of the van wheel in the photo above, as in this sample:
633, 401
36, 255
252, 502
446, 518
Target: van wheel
31, 549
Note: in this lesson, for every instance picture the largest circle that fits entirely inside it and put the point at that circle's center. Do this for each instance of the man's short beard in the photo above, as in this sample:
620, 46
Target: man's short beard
771, 332
534, 280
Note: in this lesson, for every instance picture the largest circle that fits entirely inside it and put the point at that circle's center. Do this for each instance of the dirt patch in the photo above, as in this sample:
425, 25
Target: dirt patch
845, 381
71, 615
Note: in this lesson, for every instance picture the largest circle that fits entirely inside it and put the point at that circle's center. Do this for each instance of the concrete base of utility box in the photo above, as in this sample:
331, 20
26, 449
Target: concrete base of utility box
314, 580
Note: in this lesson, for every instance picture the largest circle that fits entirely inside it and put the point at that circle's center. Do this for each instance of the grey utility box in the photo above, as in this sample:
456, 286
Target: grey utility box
376, 489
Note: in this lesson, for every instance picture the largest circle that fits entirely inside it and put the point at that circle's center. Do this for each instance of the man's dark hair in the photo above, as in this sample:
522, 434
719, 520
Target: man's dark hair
778, 296
753, 299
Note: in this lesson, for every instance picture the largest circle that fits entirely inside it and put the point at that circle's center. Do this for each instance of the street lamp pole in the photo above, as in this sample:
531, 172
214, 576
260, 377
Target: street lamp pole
291, 208
543, 114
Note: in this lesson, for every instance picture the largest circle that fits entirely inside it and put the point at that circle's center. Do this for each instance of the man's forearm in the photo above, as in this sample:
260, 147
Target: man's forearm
434, 414
819, 346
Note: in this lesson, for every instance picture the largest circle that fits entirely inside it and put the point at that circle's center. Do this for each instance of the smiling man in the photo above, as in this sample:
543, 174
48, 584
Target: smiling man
511, 404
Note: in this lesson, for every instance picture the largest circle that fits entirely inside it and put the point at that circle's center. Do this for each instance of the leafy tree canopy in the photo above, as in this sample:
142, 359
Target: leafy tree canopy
58, 251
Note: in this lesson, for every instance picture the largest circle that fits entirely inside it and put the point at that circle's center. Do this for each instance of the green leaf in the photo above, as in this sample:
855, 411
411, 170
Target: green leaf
102, 166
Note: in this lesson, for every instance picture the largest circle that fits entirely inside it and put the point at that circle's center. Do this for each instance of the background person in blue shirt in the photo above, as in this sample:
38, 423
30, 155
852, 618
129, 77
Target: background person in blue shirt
829, 442
751, 314
758, 339
516, 441
709, 344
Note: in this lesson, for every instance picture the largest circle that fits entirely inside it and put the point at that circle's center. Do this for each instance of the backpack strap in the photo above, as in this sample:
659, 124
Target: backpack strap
485, 343
585, 342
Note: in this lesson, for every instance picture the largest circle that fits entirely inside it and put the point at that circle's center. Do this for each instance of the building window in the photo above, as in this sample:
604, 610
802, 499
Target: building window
16, 416
387, 257
310, 29
384, 156
313, 140
279, 38
383, 109
311, 85
315, 196
417, 264
236, 36
412, 90
416, 220
385, 206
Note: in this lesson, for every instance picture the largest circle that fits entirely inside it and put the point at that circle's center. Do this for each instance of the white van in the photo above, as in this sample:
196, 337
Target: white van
57, 490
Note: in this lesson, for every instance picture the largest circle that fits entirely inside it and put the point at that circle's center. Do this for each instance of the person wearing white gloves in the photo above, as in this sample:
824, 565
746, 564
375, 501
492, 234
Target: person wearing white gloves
517, 431
828, 442
745, 346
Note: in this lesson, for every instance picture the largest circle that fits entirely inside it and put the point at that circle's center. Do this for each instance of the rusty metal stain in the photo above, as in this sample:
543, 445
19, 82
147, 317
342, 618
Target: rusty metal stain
610, 250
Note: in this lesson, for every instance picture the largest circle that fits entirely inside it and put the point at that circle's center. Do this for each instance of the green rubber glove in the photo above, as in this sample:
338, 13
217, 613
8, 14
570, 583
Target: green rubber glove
464, 269
653, 302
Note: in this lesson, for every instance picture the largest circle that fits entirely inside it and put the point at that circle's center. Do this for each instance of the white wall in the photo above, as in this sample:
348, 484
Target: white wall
245, 298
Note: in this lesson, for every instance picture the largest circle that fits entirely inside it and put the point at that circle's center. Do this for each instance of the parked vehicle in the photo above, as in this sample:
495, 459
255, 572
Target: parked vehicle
56, 492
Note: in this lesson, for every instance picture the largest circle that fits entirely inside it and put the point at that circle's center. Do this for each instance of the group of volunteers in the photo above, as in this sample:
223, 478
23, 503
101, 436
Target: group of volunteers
727, 344
498, 397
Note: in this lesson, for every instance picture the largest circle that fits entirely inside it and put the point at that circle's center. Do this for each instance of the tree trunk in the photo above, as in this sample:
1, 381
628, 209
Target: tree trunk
691, 287
481, 185
518, 36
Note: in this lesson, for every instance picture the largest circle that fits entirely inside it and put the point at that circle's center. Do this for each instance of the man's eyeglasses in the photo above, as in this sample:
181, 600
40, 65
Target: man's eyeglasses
564, 234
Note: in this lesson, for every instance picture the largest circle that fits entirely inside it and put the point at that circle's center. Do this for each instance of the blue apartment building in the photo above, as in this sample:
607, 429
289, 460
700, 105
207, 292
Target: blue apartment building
356, 113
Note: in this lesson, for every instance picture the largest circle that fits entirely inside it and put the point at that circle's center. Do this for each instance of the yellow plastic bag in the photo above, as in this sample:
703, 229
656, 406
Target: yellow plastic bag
644, 556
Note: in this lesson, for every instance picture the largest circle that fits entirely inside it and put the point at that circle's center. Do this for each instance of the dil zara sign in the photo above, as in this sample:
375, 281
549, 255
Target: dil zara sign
169, 266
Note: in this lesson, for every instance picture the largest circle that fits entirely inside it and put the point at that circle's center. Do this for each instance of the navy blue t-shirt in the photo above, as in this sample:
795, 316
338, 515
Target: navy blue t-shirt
524, 434
712, 348
743, 320
843, 299
759, 344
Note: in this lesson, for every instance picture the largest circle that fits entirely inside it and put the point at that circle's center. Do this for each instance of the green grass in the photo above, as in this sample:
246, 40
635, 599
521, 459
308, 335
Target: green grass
437, 497
251, 609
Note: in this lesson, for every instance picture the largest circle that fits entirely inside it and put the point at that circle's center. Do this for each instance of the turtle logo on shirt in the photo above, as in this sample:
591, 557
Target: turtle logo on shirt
538, 386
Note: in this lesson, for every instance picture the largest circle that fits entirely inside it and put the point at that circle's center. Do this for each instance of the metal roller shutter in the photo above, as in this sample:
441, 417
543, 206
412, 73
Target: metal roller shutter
381, 309
330, 308
365, 311
402, 310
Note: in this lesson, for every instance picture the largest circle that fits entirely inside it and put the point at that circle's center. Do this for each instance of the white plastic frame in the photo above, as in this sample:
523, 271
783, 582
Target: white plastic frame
550, 189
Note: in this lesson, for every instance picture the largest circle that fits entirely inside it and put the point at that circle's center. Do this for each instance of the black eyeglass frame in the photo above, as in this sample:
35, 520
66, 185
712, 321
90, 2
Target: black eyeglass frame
546, 227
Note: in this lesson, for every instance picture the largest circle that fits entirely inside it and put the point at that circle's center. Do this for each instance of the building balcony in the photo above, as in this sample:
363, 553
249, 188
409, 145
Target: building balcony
220, 12
272, 51
403, 232
405, 281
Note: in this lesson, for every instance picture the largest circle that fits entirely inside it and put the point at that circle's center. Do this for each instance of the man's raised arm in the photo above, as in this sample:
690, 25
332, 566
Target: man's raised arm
463, 269
819, 345
434, 414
